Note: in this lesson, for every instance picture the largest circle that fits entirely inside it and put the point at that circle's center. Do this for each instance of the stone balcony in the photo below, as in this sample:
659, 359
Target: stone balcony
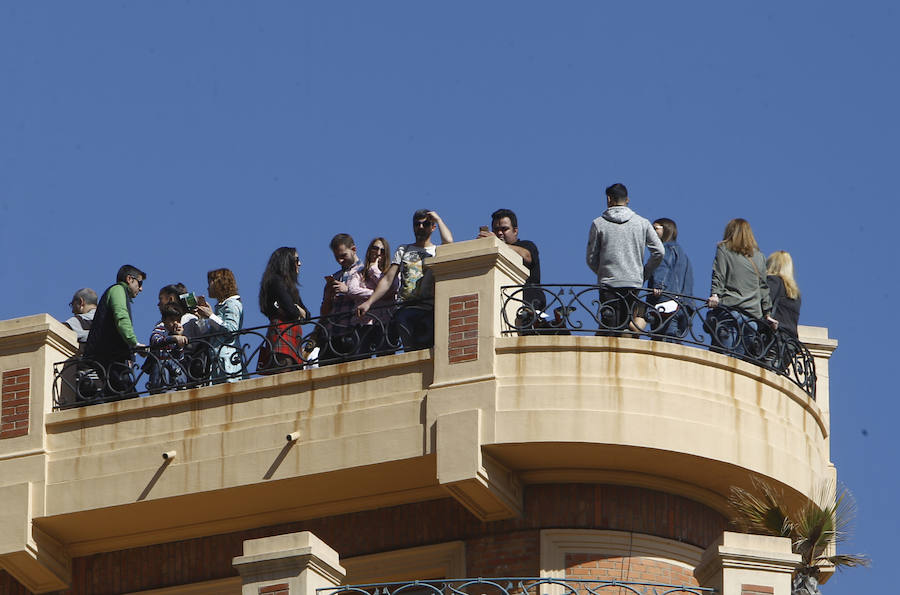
477, 419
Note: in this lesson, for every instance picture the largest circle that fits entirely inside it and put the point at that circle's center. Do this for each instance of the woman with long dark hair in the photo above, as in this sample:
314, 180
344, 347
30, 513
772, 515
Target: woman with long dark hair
738, 284
279, 301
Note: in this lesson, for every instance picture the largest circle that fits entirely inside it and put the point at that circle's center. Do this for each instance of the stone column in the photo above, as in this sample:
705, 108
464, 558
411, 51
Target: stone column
742, 564
462, 398
29, 348
291, 564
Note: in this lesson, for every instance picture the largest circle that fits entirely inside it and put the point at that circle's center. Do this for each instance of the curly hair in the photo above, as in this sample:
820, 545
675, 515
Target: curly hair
221, 283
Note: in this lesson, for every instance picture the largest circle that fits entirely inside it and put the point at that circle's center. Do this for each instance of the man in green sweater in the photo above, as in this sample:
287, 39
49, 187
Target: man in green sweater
111, 340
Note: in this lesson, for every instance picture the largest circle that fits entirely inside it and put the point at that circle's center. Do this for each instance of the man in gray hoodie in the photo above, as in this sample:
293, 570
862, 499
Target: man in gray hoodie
615, 252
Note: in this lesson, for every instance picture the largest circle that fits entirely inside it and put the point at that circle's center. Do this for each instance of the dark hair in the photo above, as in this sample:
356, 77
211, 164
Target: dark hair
282, 265
501, 213
670, 230
341, 240
221, 283
169, 311
421, 214
87, 294
174, 290
383, 260
126, 270
618, 193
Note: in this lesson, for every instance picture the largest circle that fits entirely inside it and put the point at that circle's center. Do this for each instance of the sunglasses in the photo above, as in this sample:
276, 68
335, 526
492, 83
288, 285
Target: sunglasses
423, 223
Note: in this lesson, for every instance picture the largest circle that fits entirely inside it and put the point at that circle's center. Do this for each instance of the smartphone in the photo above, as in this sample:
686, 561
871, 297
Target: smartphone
484, 228
202, 300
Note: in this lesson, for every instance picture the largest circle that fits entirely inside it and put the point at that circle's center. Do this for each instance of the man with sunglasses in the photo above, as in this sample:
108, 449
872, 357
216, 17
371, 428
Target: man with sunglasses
414, 320
111, 341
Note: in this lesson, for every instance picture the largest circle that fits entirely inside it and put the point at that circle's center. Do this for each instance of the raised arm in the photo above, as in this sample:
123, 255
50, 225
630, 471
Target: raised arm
446, 236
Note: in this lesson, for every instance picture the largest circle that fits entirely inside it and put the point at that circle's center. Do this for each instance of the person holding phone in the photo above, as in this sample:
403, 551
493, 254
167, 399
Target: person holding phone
505, 225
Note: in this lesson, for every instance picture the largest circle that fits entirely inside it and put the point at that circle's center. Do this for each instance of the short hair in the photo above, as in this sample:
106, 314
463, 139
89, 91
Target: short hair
670, 230
221, 283
501, 213
738, 237
127, 270
421, 214
87, 294
174, 290
341, 240
618, 193
170, 312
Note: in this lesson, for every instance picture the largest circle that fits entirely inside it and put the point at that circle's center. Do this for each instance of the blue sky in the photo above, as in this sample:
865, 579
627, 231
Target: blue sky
186, 136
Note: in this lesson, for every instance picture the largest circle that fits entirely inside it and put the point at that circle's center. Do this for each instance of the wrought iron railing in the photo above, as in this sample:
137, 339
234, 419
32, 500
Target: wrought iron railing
213, 358
676, 318
515, 586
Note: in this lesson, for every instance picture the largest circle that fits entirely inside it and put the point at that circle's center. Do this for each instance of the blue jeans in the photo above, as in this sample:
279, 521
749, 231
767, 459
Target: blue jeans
731, 330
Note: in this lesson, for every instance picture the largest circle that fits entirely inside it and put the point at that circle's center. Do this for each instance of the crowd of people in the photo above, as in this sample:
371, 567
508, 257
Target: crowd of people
387, 298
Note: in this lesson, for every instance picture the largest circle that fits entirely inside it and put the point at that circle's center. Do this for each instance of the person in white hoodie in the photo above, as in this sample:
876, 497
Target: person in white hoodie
615, 252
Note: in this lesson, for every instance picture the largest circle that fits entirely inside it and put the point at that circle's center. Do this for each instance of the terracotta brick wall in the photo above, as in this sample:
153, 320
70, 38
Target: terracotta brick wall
279, 589
463, 342
635, 569
14, 403
756, 590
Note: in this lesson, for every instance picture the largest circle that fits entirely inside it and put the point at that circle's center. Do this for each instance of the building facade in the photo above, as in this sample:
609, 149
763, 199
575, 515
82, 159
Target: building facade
576, 458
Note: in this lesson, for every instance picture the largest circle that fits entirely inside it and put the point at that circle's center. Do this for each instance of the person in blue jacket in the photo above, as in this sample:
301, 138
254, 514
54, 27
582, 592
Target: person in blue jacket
674, 275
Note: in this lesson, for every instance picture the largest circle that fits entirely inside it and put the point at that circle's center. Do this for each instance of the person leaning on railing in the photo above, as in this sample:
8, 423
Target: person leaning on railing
279, 301
738, 284
414, 320
111, 340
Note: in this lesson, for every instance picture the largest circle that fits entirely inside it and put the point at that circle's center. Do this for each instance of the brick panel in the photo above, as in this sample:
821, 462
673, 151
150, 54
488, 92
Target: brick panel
756, 590
462, 345
633, 569
15, 401
279, 589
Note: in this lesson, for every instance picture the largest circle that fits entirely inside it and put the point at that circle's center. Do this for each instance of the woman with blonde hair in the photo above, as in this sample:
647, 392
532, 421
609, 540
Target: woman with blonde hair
783, 291
739, 285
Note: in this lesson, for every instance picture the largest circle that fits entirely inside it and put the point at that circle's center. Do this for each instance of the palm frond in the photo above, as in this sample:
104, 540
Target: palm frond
848, 560
762, 513
820, 523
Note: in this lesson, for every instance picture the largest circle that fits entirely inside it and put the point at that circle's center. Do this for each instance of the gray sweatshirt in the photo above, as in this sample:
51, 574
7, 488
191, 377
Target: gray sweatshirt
615, 249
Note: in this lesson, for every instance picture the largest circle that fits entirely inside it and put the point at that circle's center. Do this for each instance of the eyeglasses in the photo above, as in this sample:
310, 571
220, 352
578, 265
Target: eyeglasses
423, 223
378, 249
140, 282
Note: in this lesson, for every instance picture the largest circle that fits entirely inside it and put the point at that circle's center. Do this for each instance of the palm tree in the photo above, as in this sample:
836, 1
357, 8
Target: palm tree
815, 528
